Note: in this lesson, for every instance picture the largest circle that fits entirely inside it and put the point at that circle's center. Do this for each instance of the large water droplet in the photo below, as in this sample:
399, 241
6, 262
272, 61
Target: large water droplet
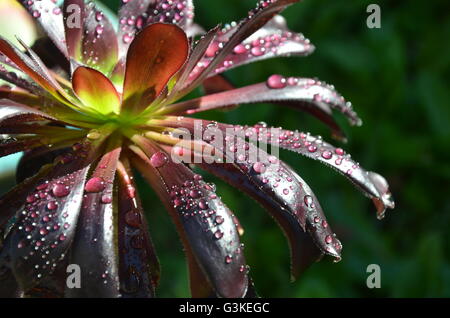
158, 159
95, 184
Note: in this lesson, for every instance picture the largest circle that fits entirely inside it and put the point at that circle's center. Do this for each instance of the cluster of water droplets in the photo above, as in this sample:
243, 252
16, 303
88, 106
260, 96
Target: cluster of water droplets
166, 11
284, 187
278, 43
46, 219
316, 91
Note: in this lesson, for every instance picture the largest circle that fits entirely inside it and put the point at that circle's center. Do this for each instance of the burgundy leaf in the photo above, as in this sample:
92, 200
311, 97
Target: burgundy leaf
51, 286
205, 223
12, 113
217, 84
45, 229
155, 55
12, 145
138, 265
371, 184
179, 12
49, 16
197, 52
16, 78
258, 17
132, 18
34, 159
94, 248
309, 95
280, 190
34, 68
93, 42
272, 40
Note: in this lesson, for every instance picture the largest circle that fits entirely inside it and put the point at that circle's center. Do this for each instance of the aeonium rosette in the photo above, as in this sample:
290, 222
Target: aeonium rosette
108, 101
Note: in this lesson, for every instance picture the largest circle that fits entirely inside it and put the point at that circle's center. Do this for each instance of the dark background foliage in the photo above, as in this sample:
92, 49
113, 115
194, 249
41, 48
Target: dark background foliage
397, 79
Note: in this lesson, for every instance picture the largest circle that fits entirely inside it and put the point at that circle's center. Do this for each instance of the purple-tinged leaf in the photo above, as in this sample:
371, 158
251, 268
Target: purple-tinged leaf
132, 18
49, 15
46, 208
205, 223
371, 184
179, 12
309, 95
46, 226
12, 145
272, 40
16, 78
52, 286
34, 68
194, 57
257, 18
34, 159
277, 188
12, 113
45, 108
93, 42
138, 264
94, 248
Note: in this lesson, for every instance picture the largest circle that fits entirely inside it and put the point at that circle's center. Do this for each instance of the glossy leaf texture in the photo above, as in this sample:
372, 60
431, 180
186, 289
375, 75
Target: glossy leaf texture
132, 18
17, 78
49, 15
315, 97
95, 90
90, 36
139, 269
179, 12
272, 40
276, 187
371, 184
47, 215
204, 222
155, 55
257, 18
95, 247
33, 67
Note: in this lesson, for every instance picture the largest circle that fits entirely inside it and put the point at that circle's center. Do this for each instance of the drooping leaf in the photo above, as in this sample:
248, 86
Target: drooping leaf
138, 265
309, 95
204, 222
95, 247
272, 40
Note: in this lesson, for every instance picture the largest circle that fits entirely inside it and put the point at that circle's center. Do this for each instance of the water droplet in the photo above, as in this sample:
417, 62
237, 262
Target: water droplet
259, 167
218, 234
133, 218
309, 202
276, 81
327, 154
95, 184
60, 190
158, 159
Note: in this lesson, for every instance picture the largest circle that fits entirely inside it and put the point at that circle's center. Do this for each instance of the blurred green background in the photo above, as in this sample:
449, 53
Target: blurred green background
397, 77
